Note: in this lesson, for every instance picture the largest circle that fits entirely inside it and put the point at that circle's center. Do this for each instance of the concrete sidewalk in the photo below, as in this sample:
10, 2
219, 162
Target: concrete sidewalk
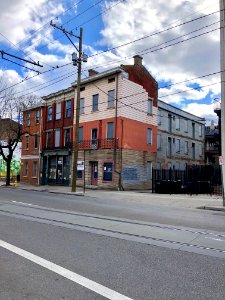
186, 201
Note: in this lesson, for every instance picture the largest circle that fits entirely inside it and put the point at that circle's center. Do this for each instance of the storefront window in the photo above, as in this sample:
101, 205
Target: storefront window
107, 171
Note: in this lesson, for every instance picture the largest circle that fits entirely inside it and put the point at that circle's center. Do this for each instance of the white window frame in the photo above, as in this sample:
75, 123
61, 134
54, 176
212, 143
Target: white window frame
82, 101
34, 169
57, 137
149, 136
150, 107
58, 111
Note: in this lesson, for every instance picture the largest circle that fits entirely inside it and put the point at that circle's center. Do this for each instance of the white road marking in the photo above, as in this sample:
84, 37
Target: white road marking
24, 203
87, 283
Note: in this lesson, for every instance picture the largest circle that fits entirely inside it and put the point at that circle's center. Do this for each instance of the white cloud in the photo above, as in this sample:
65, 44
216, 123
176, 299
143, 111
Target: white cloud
133, 19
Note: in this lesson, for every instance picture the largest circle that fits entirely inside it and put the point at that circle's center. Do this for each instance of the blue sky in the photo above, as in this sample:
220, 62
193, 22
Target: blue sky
184, 66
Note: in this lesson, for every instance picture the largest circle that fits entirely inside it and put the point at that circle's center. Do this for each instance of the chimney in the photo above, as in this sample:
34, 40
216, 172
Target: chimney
137, 60
92, 72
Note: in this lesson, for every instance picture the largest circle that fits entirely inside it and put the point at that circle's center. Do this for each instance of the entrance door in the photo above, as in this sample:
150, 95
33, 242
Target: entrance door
59, 177
94, 173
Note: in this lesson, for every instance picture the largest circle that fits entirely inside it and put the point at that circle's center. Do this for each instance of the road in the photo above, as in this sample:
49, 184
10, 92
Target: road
56, 246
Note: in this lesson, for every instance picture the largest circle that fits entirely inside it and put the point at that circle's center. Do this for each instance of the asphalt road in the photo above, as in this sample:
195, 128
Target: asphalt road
131, 269
202, 219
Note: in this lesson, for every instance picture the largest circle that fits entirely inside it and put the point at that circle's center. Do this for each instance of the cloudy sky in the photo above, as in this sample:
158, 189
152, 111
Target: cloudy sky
178, 39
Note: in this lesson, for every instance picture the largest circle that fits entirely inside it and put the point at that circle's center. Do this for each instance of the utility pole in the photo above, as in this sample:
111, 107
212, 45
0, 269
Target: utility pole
222, 68
77, 61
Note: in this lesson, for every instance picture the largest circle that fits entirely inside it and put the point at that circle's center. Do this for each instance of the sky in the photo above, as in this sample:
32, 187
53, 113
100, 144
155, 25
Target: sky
178, 39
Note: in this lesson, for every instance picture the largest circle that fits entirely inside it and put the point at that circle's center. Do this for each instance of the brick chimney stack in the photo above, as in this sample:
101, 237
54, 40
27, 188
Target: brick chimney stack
92, 72
137, 60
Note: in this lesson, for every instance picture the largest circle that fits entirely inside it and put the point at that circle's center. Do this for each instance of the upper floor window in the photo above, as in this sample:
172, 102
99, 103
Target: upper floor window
50, 113
67, 137
28, 118
111, 98
200, 130
110, 129
186, 147
158, 141
27, 142
193, 130
169, 122
186, 125
68, 108
150, 105
95, 102
58, 111
177, 145
80, 134
149, 136
37, 116
35, 141
82, 106
57, 137
200, 150
159, 117
177, 123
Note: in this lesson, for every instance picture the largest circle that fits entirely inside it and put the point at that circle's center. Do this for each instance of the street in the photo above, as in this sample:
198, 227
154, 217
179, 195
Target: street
55, 246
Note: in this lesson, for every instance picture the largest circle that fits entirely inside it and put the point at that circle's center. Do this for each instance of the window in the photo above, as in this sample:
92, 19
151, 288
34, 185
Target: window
193, 130
57, 137
107, 171
95, 103
66, 137
110, 128
186, 147
80, 134
82, 88
68, 108
159, 117
48, 139
200, 130
58, 111
186, 125
193, 151
27, 142
150, 103
28, 119
169, 122
37, 116
82, 106
177, 123
200, 150
177, 145
158, 141
50, 113
35, 141
149, 136
111, 98
94, 136
26, 168
34, 174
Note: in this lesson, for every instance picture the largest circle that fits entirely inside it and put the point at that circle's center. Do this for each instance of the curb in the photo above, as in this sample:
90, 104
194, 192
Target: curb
212, 208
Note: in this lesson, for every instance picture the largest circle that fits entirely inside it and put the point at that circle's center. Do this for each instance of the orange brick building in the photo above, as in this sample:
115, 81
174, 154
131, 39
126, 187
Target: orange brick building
117, 130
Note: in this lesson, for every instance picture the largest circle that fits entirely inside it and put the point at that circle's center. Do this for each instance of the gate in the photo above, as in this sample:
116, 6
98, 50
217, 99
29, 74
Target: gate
197, 179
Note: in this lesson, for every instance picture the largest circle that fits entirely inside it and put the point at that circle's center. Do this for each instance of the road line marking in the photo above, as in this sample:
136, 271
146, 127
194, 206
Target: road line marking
24, 203
87, 283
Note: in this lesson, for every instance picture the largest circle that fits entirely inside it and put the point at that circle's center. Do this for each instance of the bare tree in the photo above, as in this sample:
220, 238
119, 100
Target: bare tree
11, 120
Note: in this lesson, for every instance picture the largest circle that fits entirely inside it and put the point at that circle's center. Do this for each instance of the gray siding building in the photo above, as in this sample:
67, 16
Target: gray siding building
180, 138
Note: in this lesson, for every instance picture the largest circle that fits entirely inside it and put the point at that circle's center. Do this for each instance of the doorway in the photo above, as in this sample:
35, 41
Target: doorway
94, 173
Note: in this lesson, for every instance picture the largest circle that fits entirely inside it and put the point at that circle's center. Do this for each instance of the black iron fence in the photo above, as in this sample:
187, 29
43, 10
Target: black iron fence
198, 179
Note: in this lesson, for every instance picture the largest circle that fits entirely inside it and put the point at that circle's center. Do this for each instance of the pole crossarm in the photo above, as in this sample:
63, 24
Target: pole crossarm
20, 58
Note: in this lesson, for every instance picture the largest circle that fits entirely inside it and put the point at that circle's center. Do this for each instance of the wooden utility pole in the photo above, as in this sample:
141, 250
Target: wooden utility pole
77, 61
222, 68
